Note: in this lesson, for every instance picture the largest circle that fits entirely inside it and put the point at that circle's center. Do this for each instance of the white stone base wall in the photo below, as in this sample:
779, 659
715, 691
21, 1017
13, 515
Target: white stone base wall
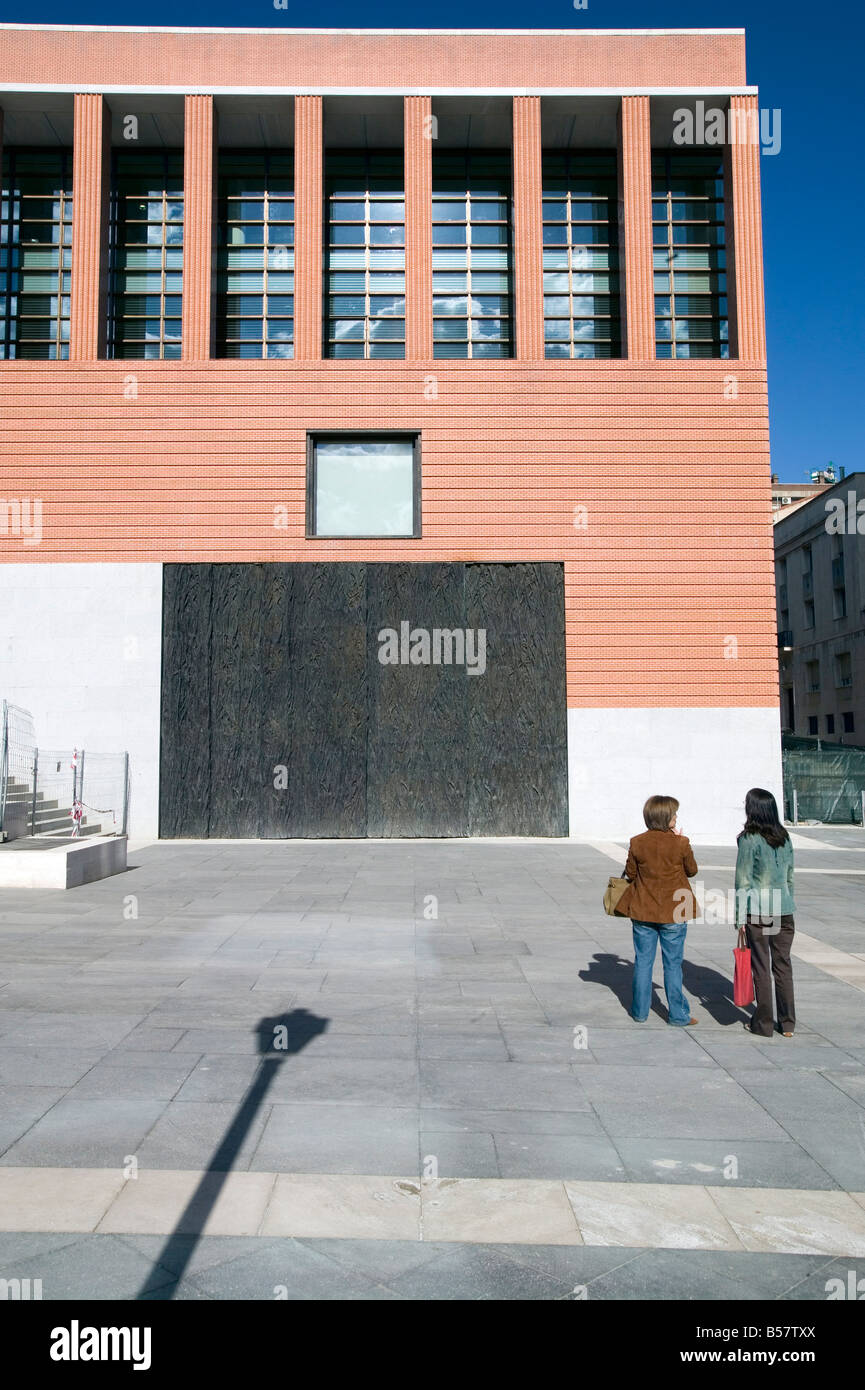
81, 648
707, 758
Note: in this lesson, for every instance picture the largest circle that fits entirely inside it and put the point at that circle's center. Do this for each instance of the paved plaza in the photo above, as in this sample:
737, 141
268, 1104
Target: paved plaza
459, 1106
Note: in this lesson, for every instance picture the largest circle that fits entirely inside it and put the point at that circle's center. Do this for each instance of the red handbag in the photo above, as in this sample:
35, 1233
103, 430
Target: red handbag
743, 979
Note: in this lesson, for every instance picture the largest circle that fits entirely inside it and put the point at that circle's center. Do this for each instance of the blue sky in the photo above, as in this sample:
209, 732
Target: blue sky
808, 61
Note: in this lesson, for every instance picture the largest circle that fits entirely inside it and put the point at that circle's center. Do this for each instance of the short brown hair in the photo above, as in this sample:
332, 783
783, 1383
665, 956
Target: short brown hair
659, 811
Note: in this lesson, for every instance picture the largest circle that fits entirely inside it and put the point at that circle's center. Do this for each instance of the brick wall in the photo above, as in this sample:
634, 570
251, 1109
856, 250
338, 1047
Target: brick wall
315, 61
677, 550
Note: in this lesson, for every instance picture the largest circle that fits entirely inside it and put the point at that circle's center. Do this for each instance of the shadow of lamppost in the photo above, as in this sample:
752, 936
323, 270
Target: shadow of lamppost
278, 1038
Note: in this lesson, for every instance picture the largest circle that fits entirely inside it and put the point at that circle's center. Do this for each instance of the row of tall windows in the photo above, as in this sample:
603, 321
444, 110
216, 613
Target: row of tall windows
364, 255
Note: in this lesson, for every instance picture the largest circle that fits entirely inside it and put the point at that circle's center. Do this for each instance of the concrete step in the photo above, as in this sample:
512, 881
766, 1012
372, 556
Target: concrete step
45, 824
26, 799
66, 832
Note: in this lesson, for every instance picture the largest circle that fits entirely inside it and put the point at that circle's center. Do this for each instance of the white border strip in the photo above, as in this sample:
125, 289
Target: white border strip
277, 29
126, 90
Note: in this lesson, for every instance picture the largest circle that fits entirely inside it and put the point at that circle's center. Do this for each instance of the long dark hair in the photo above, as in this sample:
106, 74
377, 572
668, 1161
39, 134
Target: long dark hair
761, 818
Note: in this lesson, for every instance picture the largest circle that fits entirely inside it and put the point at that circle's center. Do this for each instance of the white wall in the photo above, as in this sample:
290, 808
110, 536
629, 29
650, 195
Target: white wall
706, 758
81, 648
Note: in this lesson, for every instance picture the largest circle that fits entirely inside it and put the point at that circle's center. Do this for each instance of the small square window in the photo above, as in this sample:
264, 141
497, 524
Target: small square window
363, 485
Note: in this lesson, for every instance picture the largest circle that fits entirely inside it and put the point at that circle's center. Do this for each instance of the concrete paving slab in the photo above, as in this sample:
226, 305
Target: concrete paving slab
320, 1137
184, 1203
751, 1163
766, 1219
484, 1211
640, 1214
40, 1199
86, 1132
352, 1207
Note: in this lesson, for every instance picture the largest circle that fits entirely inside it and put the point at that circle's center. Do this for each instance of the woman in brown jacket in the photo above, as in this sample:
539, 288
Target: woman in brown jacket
660, 903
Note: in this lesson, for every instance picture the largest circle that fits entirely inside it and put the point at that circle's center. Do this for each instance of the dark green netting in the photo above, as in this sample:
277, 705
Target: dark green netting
829, 779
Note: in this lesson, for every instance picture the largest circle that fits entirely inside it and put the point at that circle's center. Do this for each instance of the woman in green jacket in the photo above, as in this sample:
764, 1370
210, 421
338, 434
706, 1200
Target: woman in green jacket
764, 904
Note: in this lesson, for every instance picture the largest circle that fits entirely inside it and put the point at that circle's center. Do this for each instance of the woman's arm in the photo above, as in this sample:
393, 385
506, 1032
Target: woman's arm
744, 876
631, 866
689, 862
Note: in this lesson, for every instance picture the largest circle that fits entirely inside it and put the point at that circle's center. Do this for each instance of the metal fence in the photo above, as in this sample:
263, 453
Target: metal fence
17, 763
823, 782
58, 792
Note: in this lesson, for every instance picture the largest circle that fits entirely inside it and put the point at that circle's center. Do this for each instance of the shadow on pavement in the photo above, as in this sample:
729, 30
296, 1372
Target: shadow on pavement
278, 1038
708, 988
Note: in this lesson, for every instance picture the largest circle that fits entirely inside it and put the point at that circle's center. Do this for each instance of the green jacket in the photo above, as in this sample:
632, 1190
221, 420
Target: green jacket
764, 879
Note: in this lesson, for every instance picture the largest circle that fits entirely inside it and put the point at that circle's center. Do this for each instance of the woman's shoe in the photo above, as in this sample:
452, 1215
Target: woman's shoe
692, 1021
786, 1035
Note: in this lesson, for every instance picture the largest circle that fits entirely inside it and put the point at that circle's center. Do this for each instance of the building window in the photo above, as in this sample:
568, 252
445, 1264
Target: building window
255, 258
472, 258
363, 485
809, 613
843, 670
812, 675
849, 724
689, 256
146, 254
581, 282
365, 255
807, 571
35, 254
781, 584
830, 723
839, 603
812, 724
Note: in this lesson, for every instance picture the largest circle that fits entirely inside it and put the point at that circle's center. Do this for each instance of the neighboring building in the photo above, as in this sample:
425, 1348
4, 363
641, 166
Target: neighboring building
332, 356
820, 574
786, 497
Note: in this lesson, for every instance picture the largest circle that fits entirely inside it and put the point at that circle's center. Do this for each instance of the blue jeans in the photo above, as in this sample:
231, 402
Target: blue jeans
672, 937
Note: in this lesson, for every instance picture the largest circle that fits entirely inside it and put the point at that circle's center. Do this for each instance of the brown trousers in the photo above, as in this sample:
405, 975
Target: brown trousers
770, 958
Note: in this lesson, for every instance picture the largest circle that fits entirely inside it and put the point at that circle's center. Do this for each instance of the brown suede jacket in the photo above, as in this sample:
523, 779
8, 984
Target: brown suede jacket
660, 862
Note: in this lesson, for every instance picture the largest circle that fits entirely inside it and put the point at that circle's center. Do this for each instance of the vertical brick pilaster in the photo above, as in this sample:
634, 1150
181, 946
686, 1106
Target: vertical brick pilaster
418, 228
744, 232
528, 223
91, 173
635, 229
308, 214
199, 228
